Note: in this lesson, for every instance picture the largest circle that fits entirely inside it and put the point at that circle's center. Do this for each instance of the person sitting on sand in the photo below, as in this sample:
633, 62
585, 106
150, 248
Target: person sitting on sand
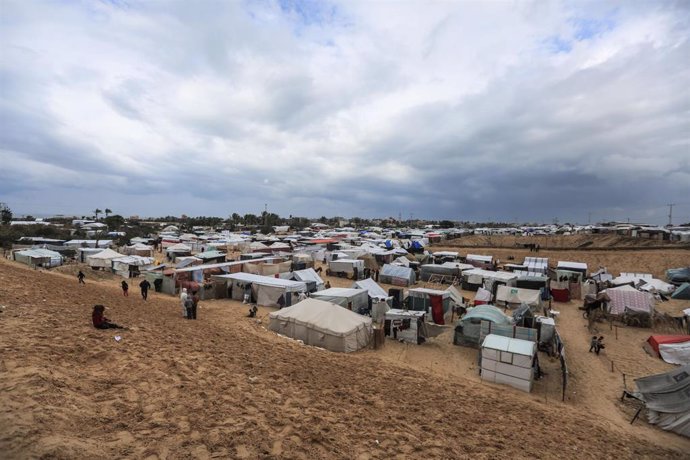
328, 285
100, 321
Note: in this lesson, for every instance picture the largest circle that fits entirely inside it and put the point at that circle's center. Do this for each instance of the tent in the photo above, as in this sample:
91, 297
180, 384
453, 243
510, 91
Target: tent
468, 328
138, 249
346, 266
323, 324
479, 260
435, 303
405, 325
632, 299
678, 275
103, 259
572, 266
372, 288
508, 361
397, 275
309, 276
482, 297
658, 286
477, 277
514, 297
345, 297
131, 266
38, 257
674, 349
667, 398
448, 269
682, 292
267, 290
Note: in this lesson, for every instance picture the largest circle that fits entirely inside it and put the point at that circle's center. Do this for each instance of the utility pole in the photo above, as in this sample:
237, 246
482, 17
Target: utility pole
589, 217
670, 213
265, 213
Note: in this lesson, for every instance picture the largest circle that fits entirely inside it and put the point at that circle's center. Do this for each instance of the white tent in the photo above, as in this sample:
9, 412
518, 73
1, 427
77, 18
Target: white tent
309, 275
323, 324
507, 295
267, 290
129, 265
508, 361
371, 287
103, 259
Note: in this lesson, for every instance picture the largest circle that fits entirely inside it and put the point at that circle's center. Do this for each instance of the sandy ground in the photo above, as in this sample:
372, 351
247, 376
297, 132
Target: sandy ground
225, 387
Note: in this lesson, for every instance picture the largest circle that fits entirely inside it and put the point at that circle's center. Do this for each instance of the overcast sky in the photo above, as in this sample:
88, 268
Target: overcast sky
501, 110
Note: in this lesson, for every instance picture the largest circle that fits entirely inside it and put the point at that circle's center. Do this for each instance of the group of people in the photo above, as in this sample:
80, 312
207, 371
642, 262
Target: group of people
190, 303
596, 344
144, 286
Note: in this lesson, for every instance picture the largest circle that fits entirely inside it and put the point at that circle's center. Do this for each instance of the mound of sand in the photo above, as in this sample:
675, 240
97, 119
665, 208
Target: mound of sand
223, 386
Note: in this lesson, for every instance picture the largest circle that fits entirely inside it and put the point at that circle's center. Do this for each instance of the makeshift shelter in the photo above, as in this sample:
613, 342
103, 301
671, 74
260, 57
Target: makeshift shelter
629, 299
682, 292
477, 277
656, 285
572, 267
309, 276
323, 324
372, 288
138, 249
103, 259
352, 299
446, 270
482, 297
405, 325
468, 328
536, 264
178, 250
266, 290
674, 349
667, 399
211, 257
435, 303
38, 257
131, 266
678, 276
512, 297
508, 361
346, 266
480, 260
83, 253
397, 275
302, 261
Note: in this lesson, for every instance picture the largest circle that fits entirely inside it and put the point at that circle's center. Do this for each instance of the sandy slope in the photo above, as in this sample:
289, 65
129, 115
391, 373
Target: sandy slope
223, 386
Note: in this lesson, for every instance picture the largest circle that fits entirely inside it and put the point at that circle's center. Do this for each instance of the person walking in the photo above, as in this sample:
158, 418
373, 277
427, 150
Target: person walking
189, 306
144, 285
593, 344
183, 302
600, 344
81, 277
195, 303
125, 288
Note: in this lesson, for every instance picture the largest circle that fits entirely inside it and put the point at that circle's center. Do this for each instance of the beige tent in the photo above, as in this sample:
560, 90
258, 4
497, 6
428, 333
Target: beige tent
514, 297
103, 259
323, 324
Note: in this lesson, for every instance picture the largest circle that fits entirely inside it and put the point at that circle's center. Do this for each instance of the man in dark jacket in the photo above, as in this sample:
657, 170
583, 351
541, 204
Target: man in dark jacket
145, 285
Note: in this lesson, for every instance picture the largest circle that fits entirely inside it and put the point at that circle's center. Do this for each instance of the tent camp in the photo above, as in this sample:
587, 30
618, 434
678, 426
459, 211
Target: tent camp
266, 290
667, 399
507, 296
323, 324
103, 259
38, 257
397, 275
682, 292
353, 299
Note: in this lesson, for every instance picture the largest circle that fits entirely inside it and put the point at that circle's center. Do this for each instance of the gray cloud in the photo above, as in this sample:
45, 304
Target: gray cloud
346, 109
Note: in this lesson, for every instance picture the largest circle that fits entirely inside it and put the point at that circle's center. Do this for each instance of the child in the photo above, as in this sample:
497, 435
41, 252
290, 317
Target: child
125, 289
100, 321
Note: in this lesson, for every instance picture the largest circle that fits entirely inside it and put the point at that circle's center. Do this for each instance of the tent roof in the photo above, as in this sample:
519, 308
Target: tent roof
479, 257
134, 260
422, 292
338, 292
682, 292
571, 265
178, 247
488, 313
372, 287
293, 286
106, 254
517, 346
39, 252
324, 316
308, 274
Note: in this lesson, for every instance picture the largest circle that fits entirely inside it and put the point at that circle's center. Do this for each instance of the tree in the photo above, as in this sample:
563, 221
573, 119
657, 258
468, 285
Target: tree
446, 224
107, 211
97, 212
114, 222
5, 214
